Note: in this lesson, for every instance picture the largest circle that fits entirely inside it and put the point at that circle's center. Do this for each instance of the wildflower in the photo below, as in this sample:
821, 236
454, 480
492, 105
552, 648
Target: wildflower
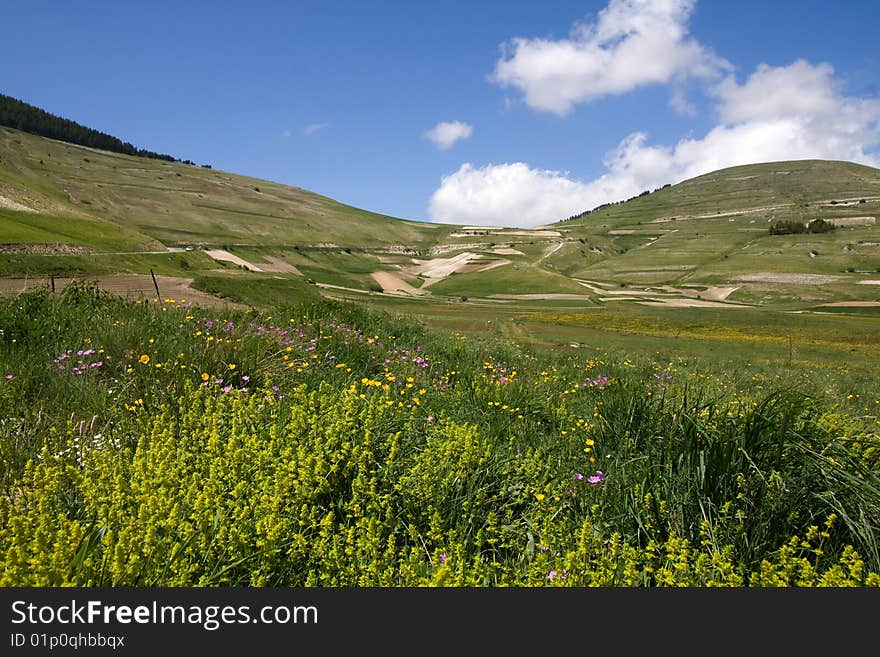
245, 378
443, 558
8, 377
539, 497
596, 478
551, 575
231, 366
144, 359
578, 476
205, 376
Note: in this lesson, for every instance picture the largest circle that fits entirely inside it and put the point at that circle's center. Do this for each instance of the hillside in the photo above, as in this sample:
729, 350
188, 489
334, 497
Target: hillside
179, 204
713, 230
72, 211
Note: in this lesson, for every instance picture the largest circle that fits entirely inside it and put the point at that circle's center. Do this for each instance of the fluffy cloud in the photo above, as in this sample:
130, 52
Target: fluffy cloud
633, 43
446, 133
505, 195
778, 113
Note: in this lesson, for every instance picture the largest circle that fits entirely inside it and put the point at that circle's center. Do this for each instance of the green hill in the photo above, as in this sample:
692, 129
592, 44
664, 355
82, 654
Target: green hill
179, 204
714, 230
71, 210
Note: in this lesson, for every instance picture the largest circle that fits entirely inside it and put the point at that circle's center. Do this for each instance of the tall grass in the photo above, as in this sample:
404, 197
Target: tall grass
328, 444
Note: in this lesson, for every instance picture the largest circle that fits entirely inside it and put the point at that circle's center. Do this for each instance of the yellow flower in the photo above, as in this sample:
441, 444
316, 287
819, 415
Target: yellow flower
232, 366
144, 359
539, 497
205, 376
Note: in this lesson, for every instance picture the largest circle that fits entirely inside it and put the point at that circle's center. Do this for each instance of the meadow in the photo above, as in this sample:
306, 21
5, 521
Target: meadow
149, 442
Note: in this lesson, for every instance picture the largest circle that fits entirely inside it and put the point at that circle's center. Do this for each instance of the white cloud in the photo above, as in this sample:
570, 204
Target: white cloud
314, 128
800, 89
633, 43
506, 195
779, 113
446, 133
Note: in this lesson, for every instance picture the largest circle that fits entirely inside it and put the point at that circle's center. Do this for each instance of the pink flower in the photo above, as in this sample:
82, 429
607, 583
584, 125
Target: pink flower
443, 558
596, 478
578, 476
8, 377
551, 575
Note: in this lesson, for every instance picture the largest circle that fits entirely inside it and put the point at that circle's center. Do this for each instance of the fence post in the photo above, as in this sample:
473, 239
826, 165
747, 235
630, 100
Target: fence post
156, 285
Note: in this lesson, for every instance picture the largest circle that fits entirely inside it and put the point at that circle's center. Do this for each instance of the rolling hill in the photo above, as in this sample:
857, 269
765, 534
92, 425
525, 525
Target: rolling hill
68, 210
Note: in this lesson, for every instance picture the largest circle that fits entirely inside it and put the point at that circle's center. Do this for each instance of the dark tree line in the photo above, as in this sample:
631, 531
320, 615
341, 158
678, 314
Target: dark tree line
797, 227
27, 118
587, 213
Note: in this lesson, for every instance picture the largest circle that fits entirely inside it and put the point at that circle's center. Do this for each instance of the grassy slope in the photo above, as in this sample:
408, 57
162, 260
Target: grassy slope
689, 246
180, 204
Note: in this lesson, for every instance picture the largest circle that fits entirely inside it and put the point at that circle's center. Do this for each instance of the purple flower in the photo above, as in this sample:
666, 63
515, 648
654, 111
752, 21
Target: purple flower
245, 378
8, 377
551, 575
578, 476
596, 478
443, 558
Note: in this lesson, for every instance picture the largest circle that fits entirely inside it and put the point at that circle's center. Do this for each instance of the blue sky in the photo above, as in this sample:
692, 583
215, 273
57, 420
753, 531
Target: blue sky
552, 107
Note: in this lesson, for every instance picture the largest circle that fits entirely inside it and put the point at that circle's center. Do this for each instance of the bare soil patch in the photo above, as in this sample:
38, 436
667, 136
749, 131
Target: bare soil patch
280, 266
392, 283
220, 254
795, 279
853, 304
712, 293
9, 204
852, 221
